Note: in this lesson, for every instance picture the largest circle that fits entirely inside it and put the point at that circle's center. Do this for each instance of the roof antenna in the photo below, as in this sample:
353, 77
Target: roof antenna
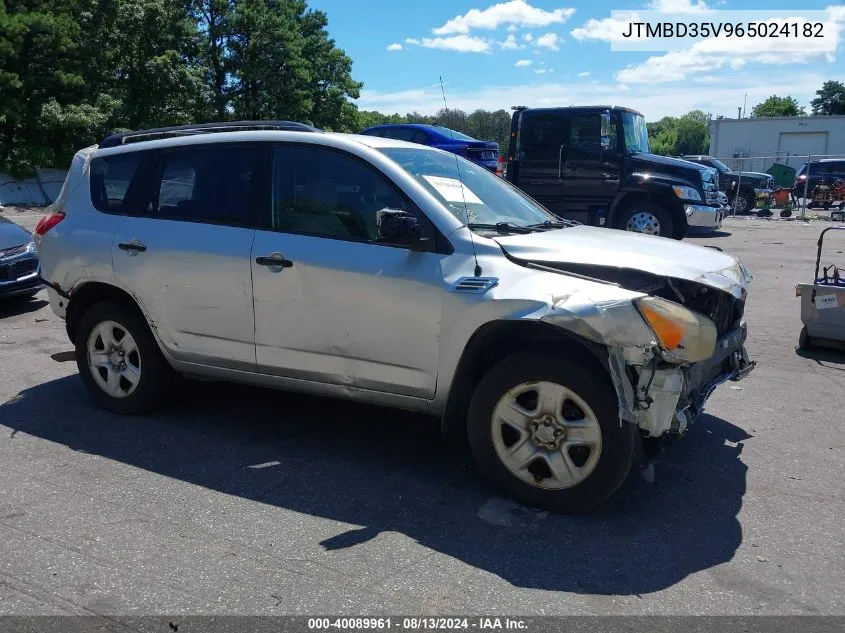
477, 271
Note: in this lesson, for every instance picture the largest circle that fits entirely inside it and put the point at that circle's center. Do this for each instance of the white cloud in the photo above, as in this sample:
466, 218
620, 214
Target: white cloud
654, 101
511, 44
528, 37
586, 73
543, 71
678, 6
459, 43
411, 40
515, 12
606, 29
522, 63
550, 41
513, 28
395, 47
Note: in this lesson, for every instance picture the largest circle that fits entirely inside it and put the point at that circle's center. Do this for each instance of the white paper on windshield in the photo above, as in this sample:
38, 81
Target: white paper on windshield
450, 189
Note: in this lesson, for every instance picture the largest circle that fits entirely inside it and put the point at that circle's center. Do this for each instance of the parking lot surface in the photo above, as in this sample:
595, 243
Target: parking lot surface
246, 501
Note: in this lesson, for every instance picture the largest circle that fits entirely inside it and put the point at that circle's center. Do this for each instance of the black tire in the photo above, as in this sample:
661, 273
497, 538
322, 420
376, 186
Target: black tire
617, 440
804, 339
156, 377
749, 200
667, 226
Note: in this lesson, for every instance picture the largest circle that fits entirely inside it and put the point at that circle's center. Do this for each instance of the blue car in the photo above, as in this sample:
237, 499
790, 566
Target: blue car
484, 153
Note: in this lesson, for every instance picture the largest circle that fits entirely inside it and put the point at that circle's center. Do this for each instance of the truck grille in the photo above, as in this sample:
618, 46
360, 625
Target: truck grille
14, 250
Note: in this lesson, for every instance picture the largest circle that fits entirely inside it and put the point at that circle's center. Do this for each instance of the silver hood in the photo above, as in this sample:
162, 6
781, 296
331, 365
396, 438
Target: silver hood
593, 246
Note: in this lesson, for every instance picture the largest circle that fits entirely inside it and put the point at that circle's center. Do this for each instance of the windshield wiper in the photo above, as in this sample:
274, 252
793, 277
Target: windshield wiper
549, 224
502, 227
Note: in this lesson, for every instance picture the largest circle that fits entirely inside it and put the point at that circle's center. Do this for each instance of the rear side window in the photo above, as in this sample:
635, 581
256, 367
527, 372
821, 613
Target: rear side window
411, 135
110, 179
208, 184
541, 136
585, 134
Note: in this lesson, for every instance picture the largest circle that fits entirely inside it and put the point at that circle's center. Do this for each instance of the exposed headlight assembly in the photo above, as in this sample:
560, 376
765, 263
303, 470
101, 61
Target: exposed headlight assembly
684, 335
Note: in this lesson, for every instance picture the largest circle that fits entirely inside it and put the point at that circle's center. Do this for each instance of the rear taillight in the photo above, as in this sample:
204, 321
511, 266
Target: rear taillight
500, 167
48, 222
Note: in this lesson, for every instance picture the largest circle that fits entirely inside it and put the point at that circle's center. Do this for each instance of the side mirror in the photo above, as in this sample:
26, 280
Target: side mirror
605, 130
397, 227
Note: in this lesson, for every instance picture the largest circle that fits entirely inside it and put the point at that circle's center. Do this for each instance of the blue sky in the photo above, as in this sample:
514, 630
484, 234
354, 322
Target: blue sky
500, 53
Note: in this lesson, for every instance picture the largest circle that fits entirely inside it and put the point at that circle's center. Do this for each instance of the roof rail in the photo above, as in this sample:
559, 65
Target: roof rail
122, 138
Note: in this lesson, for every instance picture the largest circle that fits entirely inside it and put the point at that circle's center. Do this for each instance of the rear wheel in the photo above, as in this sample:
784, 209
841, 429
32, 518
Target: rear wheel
648, 218
547, 433
119, 360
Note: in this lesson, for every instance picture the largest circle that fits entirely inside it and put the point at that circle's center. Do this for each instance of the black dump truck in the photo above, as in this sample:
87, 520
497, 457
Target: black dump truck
592, 164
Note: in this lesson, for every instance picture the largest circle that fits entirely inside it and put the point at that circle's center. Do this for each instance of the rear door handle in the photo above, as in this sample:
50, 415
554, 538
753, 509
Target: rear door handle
132, 247
276, 260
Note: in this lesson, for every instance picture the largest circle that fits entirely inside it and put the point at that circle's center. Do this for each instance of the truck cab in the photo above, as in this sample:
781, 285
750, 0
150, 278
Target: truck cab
592, 164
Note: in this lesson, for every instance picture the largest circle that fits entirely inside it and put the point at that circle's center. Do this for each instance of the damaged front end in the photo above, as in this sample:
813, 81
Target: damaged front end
669, 345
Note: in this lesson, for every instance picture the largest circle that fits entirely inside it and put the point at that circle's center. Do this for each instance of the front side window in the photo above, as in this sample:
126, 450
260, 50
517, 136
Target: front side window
470, 192
330, 194
636, 132
110, 180
584, 134
208, 184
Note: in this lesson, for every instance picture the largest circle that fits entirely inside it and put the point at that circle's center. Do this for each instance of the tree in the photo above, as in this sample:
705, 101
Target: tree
679, 136
830, 99
778, 106
38, 47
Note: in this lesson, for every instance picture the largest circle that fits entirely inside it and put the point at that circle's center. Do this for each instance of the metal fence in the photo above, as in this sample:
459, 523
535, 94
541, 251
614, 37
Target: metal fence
816, 172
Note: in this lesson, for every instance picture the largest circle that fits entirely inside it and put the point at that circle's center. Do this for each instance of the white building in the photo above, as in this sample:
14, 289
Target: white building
785, 140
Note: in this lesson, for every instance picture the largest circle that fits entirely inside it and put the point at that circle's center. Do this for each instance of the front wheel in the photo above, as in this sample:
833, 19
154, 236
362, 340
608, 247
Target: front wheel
119, 360
548, 434
744, 202
647, 218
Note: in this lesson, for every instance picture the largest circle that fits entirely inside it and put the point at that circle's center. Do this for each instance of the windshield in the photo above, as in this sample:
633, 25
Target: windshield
636, 132
452, 134
720, 166
484, 198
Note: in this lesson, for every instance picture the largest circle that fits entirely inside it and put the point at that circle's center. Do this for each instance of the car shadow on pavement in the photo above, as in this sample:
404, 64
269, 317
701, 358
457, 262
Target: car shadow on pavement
824, 356
387, 470
16, 306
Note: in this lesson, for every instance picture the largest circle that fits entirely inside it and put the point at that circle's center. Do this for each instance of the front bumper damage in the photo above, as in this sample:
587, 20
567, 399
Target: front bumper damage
664, 399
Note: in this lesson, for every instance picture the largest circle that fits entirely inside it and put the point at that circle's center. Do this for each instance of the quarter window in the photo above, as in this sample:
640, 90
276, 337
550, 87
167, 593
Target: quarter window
329, 194
541, 137
211, 184
110, 180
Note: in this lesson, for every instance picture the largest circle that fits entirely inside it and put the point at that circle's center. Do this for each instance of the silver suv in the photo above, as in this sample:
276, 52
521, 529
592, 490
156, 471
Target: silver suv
371, 269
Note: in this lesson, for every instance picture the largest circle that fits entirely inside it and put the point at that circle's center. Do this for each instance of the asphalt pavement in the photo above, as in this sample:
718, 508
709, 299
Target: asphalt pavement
237, 500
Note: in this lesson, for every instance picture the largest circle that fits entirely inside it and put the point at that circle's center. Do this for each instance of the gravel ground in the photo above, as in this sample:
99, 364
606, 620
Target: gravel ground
247, 501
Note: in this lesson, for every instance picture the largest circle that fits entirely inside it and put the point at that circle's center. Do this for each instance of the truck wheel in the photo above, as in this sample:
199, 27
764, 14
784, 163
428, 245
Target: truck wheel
645, 217
744, 202
547, 433
119, 360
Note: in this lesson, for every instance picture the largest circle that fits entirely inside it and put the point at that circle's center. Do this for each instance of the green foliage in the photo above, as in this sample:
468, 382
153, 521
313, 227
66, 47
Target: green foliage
71, 71
679, 136
830, 98
778, 106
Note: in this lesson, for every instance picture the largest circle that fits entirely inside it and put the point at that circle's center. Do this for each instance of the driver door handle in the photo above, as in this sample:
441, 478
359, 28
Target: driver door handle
274, 261
132, 247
